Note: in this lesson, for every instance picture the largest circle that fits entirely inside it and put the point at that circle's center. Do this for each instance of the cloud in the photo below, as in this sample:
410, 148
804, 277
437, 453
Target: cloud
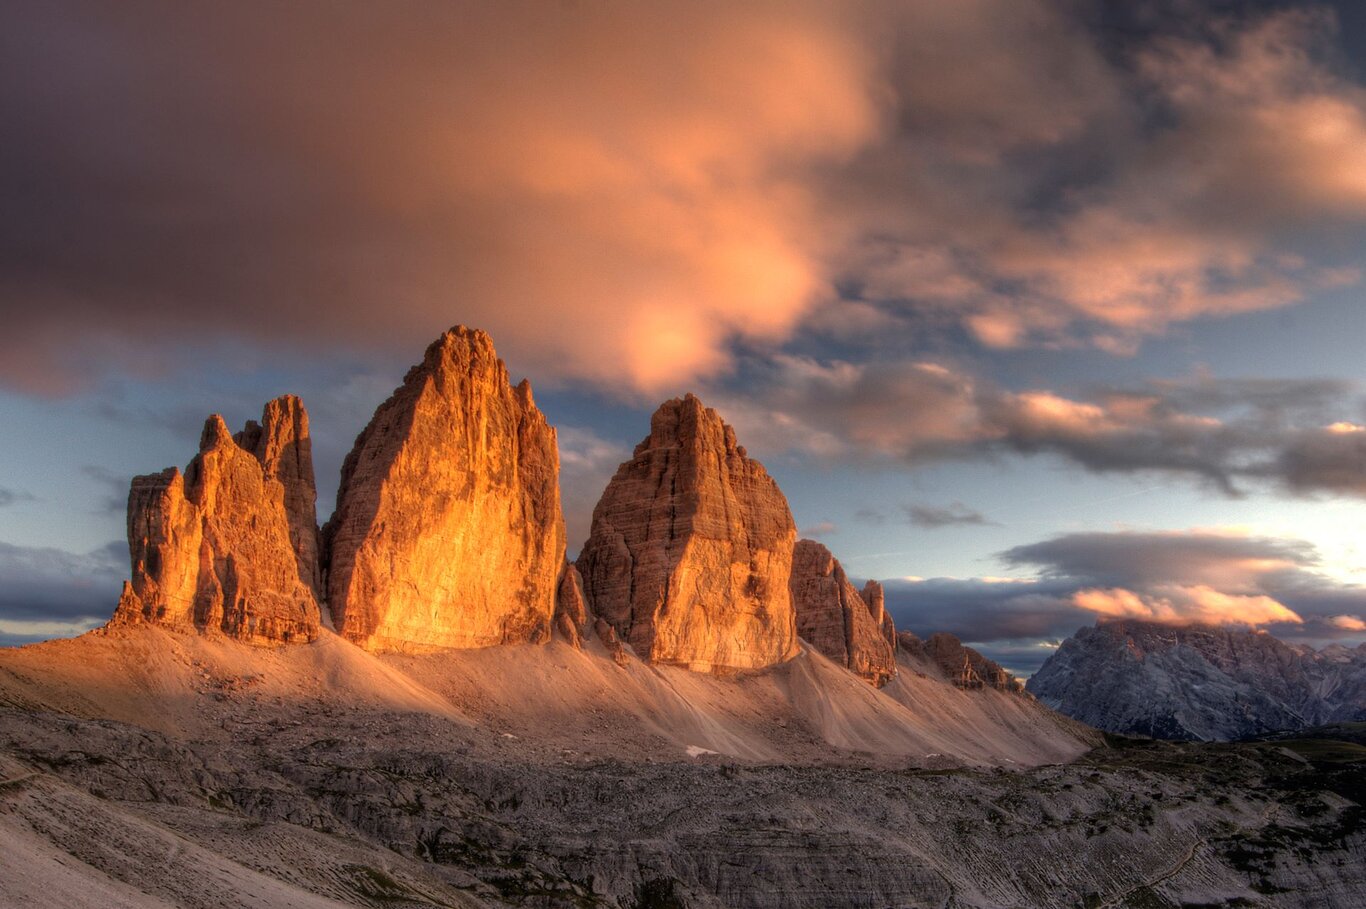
1298, 435
44, 585
613, 190
1178, 605
10, 497
1348, 622
933, 517
818, 530
1174, 577
115, 488
626, 194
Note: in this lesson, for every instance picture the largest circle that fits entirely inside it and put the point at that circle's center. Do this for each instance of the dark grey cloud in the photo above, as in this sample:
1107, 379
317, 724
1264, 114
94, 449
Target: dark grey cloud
933, 517
14, 496
1172, 577
113, 497
1298, 436
1140, 560
52, 585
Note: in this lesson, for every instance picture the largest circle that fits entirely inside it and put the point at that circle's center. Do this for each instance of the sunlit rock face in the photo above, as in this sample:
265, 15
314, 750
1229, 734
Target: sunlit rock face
833, 617
281, 442
231, 545
691, 549
448, 531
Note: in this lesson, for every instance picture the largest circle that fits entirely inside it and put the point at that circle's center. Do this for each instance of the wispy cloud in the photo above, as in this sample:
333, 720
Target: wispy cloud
933, 517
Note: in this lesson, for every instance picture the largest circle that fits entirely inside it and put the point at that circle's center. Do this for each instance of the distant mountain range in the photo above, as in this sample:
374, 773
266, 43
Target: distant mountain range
1199, 682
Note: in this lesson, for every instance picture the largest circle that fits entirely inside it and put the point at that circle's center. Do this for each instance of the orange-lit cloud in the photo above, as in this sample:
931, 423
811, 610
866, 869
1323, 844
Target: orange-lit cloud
1183, 605
625, 194
1348, 622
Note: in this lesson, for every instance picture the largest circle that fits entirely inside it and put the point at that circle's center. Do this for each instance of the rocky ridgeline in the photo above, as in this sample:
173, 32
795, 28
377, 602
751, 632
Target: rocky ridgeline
448, 533
229, 546
1199, 682
963, 666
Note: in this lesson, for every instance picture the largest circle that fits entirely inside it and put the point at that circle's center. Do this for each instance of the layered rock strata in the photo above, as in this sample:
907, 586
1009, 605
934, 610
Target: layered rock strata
448, 531
691, 549
229, 546
834, 618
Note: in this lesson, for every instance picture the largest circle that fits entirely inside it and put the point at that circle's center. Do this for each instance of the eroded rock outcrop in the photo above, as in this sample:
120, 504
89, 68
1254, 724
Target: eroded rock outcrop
571, 608
833, 617
876, 598
691, 549
227, 545
966, 667
448, 530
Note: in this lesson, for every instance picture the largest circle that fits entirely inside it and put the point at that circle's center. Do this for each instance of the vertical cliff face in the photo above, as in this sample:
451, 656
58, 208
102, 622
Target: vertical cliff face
835, 619
691, 548
876, 598
281, 442
227, 545
448, 530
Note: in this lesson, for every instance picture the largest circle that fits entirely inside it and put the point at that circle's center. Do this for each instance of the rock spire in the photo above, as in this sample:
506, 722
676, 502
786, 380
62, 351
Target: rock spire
231, 545
448, 530
691, 548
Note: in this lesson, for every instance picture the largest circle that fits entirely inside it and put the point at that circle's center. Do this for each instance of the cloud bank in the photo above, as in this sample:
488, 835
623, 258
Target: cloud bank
1173, 577
625, 194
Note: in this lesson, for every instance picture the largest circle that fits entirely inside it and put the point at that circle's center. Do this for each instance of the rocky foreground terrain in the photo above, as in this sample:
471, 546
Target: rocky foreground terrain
1199, 682
144, 768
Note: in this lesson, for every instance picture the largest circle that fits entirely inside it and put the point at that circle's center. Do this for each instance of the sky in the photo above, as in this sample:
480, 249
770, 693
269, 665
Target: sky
1040, 311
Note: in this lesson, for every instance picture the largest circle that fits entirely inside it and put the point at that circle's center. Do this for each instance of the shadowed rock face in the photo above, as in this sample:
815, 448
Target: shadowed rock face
964, 666
691, 549
571, 608
835, 619
1199, 682
448, 530
231, 545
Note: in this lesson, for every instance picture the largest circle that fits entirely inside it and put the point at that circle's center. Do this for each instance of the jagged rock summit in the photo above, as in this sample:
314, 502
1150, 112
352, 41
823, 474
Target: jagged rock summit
1200, 682
448, 531
690, 551
833, 616
231, 545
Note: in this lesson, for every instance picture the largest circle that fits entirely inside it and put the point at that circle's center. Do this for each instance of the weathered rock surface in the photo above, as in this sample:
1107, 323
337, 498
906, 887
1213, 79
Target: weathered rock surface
876, 598
691, 549
448, 531
964, 666
1199, 682
834, 618
227, 545
281, 442
571, 607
